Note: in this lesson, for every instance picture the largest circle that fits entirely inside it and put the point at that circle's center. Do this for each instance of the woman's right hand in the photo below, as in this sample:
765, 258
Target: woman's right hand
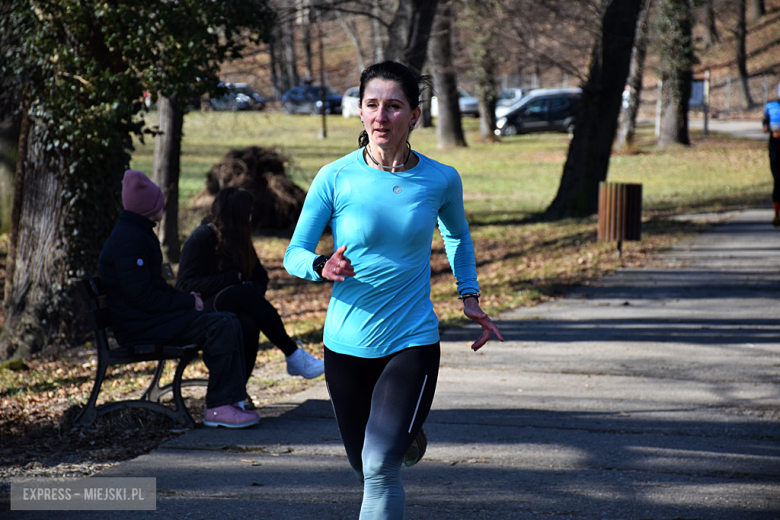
338, 266
198, 301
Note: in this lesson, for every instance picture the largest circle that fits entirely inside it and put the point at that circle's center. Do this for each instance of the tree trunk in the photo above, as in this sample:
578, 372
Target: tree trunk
588, 158
166, 171
675, 95
711, 36
16, 207
349, 26
37, 266
273, 65
482, 43
487, 97
676, 62
427, 118
625, 137
289, 58
757, 10
741, 50
9, 145
308, 55
377, 32
449, 130
409, 33
63, 223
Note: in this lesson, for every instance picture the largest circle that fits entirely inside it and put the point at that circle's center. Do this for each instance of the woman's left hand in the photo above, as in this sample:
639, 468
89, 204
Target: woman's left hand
472, 309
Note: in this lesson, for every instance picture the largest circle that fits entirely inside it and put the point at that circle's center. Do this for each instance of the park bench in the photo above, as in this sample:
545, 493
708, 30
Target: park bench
99, 319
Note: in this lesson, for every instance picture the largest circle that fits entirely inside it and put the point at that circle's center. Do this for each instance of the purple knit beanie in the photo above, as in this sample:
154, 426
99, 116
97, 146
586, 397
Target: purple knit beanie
140, 195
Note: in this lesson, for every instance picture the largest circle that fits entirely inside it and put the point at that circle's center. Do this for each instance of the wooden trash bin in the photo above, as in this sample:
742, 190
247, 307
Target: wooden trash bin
620, 212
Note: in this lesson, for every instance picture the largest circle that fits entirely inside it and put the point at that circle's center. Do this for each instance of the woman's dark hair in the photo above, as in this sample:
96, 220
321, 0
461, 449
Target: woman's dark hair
230, 213
411, 85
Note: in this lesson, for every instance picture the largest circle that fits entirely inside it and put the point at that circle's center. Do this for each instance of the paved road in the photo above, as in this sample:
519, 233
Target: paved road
749, 129
652, 394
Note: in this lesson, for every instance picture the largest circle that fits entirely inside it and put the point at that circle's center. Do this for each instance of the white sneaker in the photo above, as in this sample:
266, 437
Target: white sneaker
301, 363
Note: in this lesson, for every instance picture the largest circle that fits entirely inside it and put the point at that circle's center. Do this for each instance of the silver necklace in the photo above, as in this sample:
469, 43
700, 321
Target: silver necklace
408, 154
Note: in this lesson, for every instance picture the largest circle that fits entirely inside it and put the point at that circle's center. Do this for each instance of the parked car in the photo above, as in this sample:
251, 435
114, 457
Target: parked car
507, 98
256, 101
231, 101
239, 96
306, 99
350, 102
469, 105
543, 110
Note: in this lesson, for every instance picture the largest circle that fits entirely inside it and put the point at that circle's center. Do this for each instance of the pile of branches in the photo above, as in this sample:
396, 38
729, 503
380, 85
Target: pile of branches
263, 172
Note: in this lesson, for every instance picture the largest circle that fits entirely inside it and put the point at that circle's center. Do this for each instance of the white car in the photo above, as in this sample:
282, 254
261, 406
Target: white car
469, 105
349, 102
508, 98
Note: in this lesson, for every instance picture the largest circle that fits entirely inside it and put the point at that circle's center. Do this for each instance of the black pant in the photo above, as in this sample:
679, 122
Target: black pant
774, 165
220, 333
256, 315
380, 406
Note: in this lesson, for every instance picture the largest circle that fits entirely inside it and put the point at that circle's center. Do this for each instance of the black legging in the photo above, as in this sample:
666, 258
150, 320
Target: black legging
380, 406
256, 314
774, 165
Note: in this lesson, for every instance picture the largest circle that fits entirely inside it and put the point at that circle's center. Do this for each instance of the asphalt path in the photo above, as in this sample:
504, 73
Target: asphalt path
650, 394
744, 128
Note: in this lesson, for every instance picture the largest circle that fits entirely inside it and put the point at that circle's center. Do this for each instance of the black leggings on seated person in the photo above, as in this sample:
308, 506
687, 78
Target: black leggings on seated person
256, 315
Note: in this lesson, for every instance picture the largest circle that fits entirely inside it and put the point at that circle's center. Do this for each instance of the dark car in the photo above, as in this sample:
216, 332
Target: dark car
239, 96
543, 110
306, 99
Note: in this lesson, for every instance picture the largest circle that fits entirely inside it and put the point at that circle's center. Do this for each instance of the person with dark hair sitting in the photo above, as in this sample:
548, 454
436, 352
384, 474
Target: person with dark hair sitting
219, 262
145, 309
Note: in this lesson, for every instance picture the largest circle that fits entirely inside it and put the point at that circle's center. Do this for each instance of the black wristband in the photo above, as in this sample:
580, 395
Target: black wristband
470, 295
319, 263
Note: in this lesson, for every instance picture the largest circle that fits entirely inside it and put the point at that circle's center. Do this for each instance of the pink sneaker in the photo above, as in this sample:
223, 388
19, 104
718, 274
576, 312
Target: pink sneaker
229, 416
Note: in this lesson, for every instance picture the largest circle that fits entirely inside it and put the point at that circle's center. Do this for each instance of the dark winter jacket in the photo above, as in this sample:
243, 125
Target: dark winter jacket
144, 308
199, 266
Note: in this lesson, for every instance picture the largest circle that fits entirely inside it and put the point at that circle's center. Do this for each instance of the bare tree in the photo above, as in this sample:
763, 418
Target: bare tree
625, 136
480, 20
409, 32
378, 33
711, 36
273, 66
675, 56
740, 33
757, 10
9, 143
528, 36
166, 170
285, 55
304, 23
350, 28
589, 152
15, 226
449, 129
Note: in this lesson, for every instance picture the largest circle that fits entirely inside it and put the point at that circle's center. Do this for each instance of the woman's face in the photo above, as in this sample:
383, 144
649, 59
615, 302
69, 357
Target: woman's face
386, 113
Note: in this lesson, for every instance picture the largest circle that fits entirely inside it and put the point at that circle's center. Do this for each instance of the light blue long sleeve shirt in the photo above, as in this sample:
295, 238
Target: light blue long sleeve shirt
387, 221
772, 116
